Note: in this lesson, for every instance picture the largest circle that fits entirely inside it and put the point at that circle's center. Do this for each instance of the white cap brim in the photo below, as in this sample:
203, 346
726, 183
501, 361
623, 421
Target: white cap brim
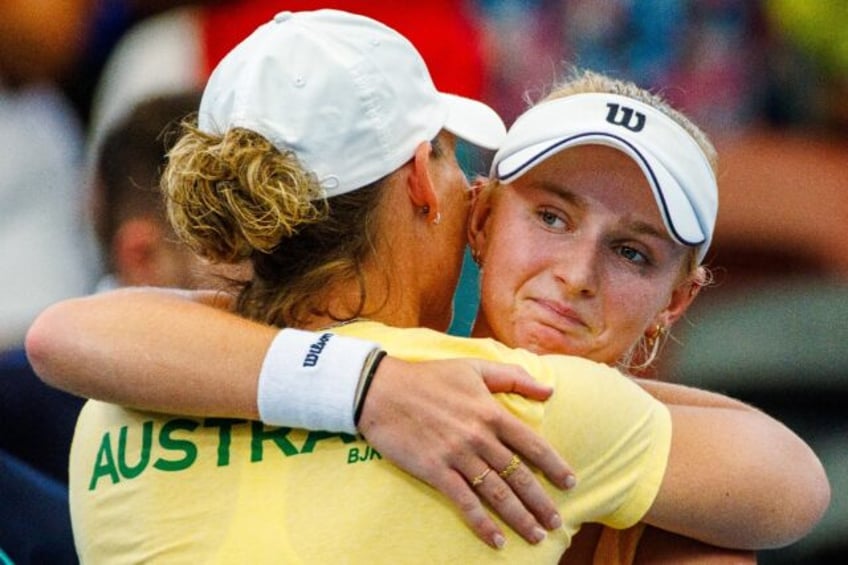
473, 121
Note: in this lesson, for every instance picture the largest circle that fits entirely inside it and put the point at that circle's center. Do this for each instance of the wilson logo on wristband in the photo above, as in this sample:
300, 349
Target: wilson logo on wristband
315, 350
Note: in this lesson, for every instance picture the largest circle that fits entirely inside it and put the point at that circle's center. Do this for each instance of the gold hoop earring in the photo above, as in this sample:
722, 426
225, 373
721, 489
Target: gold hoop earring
653, 340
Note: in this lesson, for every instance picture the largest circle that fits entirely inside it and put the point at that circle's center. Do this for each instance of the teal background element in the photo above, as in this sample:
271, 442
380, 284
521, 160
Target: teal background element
466, 299
474, 161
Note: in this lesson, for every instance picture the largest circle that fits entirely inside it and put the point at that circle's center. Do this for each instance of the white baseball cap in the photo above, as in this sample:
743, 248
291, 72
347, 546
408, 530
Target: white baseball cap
678, 171
351, 97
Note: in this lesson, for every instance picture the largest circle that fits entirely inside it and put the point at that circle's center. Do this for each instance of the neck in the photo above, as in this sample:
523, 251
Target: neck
403, 283
390, 298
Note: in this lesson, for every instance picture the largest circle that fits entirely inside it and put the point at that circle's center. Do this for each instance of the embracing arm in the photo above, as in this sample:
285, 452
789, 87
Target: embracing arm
736, 477
126, 346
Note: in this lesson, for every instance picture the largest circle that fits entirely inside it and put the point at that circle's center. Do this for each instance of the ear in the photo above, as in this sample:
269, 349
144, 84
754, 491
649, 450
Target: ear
134, 250
421, 188
681, 298
478, 221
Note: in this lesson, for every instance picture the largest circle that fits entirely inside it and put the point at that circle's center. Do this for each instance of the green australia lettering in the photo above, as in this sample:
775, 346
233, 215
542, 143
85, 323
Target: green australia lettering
104, 464
170, 443
176, 451
125, 469
225, 436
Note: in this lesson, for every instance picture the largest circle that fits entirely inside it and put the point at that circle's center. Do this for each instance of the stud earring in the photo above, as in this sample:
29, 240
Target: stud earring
475, 256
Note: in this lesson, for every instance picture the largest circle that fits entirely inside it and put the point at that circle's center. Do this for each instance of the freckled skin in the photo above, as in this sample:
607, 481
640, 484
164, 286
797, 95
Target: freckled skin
576, 258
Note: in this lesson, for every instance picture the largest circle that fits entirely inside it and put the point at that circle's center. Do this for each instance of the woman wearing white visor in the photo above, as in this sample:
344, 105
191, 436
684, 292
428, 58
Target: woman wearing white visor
706, 490
626, 195
590, 236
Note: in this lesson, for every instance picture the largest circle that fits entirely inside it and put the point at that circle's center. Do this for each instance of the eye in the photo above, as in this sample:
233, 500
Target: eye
634, 255
551, 219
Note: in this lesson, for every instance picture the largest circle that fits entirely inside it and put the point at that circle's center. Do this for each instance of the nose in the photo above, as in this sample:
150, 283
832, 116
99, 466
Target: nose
577, 267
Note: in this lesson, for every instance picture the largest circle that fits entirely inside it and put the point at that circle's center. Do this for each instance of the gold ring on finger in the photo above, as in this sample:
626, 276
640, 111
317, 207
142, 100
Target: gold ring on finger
478, 480
514, 463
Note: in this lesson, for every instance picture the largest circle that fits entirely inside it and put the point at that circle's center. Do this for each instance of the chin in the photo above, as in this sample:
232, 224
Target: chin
545, 340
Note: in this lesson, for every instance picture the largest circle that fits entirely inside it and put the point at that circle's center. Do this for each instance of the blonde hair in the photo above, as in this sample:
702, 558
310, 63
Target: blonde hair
235, 197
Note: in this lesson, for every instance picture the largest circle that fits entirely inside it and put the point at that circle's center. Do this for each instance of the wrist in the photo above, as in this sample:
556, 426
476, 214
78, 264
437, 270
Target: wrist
369, 370
314, 380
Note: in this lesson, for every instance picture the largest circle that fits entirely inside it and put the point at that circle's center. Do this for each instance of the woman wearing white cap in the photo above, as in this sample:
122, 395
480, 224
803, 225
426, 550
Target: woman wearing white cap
336, 499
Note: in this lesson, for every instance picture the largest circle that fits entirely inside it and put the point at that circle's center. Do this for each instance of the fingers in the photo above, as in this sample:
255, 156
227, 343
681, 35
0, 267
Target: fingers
519, 499
514, 492
473, 512
536, 452
501, 497
512, 378
464, 431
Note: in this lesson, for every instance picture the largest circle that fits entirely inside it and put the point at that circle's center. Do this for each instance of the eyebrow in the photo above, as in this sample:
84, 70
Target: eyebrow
637, 226
560, 191
648, 229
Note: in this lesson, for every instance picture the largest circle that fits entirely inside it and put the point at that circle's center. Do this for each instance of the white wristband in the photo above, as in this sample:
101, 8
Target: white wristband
309, 380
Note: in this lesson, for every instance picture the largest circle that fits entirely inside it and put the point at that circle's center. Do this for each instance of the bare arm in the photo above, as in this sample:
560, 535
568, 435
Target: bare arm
736, 477
712, 494
126, 347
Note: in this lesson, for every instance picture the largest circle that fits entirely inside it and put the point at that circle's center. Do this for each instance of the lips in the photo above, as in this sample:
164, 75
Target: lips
559, 316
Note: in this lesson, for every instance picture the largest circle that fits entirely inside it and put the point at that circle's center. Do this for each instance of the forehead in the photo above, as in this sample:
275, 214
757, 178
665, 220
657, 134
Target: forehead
594, 172
589, 156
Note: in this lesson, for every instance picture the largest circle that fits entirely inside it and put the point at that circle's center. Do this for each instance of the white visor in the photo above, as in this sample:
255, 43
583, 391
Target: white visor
680, 175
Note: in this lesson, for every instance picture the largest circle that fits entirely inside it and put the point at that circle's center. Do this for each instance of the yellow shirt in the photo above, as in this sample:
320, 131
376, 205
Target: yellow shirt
152, 488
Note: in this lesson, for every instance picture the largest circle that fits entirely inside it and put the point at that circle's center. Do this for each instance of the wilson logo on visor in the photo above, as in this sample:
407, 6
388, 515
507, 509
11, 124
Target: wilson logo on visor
624, 116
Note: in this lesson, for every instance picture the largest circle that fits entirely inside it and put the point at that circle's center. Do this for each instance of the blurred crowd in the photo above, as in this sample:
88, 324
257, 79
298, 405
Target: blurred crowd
767, 79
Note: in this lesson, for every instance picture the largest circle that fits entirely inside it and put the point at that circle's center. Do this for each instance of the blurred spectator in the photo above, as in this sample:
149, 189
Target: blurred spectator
107, 22
135, 238
45, 250
46, 247
36, 422
46, 255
